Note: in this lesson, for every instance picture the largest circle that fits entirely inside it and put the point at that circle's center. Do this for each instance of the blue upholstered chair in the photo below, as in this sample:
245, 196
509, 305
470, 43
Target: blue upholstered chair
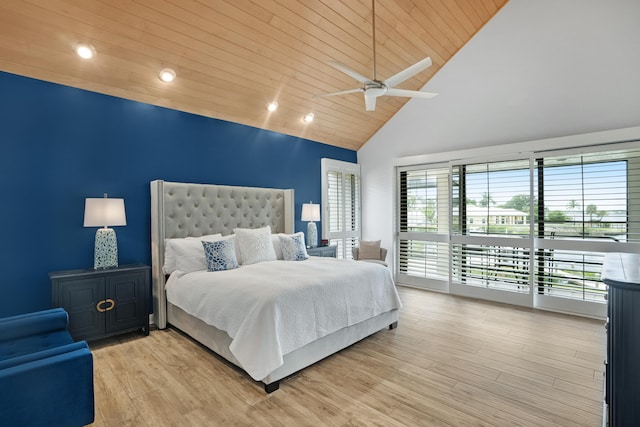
46, 379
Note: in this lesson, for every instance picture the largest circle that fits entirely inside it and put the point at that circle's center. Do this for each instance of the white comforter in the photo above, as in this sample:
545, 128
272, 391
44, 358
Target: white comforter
272, 308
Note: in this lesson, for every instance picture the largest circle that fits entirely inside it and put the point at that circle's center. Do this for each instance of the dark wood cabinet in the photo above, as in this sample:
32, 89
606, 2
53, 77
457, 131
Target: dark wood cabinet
102, 303
622, 374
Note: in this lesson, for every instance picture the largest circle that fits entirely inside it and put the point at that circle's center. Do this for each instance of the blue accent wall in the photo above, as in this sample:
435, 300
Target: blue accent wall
59, 145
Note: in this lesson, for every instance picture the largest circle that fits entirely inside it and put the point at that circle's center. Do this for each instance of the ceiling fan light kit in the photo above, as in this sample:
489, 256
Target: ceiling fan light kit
374, 88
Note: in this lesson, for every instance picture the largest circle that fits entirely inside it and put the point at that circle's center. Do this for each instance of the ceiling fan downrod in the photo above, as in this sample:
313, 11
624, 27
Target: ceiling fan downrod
373, 18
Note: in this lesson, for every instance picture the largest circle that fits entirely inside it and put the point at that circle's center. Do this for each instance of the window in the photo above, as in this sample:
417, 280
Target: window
532, 230
341, 205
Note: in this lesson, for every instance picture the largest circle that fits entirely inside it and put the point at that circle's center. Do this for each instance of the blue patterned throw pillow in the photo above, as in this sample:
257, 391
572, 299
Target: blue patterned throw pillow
293, 248
220, 255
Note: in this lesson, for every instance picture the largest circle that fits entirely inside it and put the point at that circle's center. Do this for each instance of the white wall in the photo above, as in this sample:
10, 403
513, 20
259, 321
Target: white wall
538, 69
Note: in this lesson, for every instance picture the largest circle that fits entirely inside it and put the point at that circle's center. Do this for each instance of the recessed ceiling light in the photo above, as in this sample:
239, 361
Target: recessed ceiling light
167, 75
272, 106
308, 118
84, 51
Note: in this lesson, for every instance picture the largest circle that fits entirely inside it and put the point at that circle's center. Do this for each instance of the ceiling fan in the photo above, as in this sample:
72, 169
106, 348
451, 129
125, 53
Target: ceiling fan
373, 88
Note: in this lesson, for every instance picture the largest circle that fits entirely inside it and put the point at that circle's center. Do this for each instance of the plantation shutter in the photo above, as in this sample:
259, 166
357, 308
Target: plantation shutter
590, 207
341, 205
529, 228
490, 242
423, 226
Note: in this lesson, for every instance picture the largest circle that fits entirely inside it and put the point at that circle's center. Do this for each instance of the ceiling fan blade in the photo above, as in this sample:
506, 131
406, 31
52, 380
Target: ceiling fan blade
410, 93
348, 71
408, 72
342, 92
370, 102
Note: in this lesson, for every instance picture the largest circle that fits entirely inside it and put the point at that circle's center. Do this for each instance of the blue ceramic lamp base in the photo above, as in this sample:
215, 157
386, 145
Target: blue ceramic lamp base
312, 235
106, 250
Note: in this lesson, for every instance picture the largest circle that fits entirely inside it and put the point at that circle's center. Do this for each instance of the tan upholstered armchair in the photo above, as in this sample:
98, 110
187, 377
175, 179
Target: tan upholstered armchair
370, 252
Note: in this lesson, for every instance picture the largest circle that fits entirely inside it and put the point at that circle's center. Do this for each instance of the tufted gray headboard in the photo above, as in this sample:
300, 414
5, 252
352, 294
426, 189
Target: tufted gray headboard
193, 210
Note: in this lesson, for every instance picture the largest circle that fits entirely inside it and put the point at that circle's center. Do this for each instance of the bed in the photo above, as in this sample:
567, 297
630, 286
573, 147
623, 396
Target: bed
184, 210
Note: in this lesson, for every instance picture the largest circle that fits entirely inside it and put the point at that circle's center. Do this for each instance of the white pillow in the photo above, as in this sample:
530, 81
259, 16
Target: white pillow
293, 248
185, 254
275, 239
235, 244
255, 245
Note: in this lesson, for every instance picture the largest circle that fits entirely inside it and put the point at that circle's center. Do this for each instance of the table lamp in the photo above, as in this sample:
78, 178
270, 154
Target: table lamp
311, 213
104, 213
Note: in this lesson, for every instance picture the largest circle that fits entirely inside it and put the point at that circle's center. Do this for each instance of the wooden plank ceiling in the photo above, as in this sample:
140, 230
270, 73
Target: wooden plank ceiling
233, 57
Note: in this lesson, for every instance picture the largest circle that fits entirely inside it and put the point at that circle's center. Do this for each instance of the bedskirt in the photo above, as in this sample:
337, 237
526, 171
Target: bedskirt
218, 341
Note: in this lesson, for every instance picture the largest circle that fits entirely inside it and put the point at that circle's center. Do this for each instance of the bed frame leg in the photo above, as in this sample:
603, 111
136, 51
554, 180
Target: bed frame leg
270, 388
393, 325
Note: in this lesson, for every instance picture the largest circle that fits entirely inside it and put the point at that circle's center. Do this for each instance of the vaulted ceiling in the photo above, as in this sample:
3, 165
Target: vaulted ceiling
233, 57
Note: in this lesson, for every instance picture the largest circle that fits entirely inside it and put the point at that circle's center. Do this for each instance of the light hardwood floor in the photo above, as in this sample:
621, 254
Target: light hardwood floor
451, 361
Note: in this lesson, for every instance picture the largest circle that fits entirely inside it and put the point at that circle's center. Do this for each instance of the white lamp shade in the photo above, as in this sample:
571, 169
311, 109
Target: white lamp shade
104, 212
310, 212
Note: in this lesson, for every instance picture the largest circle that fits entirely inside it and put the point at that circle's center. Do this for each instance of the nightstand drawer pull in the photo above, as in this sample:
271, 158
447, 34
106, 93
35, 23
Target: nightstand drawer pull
107, 301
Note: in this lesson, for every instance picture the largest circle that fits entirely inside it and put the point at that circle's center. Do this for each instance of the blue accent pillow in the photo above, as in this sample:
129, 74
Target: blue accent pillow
220, 255
293, 248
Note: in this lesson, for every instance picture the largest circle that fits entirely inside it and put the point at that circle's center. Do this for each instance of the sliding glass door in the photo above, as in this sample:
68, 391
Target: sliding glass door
491, 228
532, 230
423, 235
589, 207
